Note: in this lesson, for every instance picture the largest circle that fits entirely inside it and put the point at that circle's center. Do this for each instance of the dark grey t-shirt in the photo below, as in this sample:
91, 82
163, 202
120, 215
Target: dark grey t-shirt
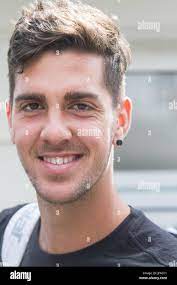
135, 242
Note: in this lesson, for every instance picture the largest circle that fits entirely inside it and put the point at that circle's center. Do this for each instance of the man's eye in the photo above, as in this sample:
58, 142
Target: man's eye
82, 107
31, 107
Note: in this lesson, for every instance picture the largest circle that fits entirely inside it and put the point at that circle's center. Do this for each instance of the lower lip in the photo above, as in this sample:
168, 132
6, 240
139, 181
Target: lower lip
59, 169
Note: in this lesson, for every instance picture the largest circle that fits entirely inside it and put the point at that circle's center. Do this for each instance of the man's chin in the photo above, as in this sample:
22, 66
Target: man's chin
60, 198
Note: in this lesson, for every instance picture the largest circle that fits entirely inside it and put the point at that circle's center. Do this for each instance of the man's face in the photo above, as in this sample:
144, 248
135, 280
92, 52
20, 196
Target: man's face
62, 123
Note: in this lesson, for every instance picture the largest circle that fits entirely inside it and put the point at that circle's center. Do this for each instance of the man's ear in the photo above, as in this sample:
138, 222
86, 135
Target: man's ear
9, 119
124, 117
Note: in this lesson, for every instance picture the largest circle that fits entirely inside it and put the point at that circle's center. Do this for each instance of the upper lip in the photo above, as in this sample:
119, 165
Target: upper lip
62, 154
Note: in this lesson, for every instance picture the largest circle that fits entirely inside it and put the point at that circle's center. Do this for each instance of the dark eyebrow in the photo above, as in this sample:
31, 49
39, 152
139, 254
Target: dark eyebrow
71, 95
80, 95
30, 97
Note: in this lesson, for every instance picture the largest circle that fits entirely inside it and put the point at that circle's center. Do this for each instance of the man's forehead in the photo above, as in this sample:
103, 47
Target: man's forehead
73, 70
78, 61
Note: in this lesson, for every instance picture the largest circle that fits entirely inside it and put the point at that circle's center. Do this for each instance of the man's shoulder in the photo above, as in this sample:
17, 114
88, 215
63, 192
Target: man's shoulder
153, 240
5, 216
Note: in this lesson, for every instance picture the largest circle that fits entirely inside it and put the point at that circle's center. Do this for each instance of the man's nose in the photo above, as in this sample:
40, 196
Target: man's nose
55, 129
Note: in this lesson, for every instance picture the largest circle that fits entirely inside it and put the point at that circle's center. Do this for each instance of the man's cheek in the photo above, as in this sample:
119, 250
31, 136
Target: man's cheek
24, 136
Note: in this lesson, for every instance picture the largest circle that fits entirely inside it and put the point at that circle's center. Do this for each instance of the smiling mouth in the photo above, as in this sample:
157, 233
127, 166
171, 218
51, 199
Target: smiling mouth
59, 165
60, 160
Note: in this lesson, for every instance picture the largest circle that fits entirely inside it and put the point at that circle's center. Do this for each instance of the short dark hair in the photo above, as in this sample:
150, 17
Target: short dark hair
61, 25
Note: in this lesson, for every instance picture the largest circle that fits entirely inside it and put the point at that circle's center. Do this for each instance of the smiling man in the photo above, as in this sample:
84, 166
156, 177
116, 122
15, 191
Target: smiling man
67, 111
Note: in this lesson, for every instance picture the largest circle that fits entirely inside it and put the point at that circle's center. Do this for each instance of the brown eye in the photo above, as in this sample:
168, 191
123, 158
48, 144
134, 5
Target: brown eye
31, 107
82, 107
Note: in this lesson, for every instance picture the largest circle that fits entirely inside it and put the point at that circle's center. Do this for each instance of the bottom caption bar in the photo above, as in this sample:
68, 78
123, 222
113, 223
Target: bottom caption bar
30, 275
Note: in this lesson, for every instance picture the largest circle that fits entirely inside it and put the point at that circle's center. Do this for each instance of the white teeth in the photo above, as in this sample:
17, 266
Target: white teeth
53, 160
66, 160
60, 160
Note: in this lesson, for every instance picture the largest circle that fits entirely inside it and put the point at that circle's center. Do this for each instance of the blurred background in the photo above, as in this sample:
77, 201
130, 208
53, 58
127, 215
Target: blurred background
145, 166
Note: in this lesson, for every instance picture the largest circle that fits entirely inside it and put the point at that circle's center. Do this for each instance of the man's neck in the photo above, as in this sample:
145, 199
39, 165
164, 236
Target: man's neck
71, 227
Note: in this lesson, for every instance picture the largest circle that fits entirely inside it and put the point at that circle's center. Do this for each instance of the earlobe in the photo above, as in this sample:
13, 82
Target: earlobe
119, 136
